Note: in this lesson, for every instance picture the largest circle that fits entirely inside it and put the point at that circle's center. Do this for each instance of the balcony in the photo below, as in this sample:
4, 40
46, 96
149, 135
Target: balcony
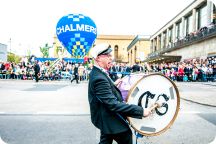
201, 35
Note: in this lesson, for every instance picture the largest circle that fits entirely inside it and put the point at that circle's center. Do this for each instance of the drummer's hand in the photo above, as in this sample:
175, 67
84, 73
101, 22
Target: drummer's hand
117, 81
147, 112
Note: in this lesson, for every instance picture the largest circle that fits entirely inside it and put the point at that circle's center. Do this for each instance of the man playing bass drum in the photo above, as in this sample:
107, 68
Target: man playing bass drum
108, 111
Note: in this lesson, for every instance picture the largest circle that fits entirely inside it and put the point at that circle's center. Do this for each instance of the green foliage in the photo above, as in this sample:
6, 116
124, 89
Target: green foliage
13, 58
59, 49
45, 50
28, 53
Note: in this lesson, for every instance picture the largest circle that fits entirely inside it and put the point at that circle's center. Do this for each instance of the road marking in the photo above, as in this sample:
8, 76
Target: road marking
190, 112
87, 113
52, 112
195, 112
45, 113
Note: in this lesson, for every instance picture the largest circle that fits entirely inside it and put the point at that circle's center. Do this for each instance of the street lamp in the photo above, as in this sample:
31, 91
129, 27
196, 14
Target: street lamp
10, 44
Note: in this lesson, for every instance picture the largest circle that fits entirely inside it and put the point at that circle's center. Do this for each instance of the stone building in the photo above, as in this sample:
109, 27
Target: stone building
119, 43
138, 49
191, 34
3, 52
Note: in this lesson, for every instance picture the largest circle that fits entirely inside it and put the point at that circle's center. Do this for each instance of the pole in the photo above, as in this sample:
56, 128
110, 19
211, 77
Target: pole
10, 45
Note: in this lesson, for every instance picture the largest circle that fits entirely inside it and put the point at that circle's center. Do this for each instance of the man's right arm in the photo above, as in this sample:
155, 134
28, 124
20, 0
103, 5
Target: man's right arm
104, 93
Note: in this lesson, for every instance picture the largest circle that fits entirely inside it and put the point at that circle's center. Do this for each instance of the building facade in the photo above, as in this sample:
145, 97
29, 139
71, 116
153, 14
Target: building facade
189, 35
3, 52
119, 43
138, 49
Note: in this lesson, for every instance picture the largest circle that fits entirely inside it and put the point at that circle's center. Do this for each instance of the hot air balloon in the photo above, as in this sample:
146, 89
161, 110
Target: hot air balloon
77, 34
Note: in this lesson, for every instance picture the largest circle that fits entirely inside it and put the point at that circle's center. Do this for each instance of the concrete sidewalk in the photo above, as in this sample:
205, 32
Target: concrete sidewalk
198, 92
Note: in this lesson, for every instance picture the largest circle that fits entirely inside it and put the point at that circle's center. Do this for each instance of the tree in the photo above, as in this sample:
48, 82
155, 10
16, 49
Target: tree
45, 50
13, 58
28, 54
59, 51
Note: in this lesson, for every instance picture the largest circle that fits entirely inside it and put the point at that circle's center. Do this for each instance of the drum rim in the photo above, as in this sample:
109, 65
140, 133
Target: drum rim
176, 111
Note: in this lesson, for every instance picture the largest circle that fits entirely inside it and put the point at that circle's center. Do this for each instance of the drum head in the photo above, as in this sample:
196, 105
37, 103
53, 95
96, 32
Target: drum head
145, 93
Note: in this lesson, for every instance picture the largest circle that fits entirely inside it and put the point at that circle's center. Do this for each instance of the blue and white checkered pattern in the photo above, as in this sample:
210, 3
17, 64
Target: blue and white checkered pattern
78, 45
76, 17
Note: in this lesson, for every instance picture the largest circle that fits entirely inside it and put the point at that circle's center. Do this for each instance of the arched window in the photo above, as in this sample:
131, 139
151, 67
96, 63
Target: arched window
116, 52
135, 53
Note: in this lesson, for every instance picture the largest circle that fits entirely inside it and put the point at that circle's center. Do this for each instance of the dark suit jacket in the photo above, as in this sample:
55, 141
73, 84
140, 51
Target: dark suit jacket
37, 68
135, 68
75, 71
106, 101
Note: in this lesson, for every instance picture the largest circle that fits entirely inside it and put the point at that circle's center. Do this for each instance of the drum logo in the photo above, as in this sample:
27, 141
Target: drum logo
148, 96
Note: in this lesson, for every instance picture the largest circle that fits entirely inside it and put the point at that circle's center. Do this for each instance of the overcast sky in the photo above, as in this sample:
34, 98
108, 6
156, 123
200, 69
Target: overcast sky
31, 23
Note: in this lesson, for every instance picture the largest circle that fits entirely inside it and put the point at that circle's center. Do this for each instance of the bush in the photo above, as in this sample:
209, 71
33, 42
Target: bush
13, 58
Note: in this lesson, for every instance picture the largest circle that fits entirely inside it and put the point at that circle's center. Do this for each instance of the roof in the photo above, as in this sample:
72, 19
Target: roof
136, 39
163, 58
115, 37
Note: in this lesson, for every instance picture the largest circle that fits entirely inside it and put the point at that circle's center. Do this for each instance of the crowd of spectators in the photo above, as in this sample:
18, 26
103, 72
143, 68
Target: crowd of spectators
193, 36
201, 32
192, 70
48, 71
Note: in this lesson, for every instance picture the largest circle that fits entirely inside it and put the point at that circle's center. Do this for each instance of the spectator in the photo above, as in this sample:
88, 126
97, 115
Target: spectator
75, 74
37, 71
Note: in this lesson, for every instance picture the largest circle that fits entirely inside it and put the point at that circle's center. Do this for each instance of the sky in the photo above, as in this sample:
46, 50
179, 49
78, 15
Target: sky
30, 24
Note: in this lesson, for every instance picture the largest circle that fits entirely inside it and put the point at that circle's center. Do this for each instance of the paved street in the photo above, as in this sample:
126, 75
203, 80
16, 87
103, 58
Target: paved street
58, 113
201, 93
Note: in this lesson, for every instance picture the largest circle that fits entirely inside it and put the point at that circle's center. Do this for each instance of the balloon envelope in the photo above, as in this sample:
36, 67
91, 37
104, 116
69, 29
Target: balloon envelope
77, 34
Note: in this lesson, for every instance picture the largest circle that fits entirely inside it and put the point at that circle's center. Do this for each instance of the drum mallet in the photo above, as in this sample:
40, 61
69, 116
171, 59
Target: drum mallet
157, 104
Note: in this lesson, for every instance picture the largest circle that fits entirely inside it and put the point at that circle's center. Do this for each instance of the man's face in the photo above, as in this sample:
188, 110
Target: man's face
105, 61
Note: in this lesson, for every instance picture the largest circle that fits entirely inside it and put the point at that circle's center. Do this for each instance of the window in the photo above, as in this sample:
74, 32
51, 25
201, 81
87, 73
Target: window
178, 30
214, 14
188, 25
201, 17
164, 39
154, 44
116, 52
170, 34
159, 42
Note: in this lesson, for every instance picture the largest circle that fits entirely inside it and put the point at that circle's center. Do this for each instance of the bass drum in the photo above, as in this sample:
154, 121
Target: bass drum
145, 92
